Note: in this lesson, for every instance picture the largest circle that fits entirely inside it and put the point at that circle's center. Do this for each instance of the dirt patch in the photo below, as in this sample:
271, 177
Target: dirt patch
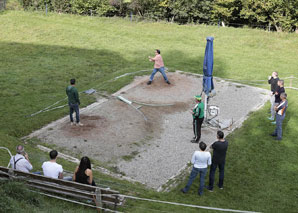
116, 133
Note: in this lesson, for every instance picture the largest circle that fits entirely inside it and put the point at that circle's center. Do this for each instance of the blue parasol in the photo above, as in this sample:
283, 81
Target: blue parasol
208, 67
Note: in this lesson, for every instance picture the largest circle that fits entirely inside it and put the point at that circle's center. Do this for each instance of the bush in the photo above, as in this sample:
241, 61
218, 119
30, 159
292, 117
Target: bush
98, 7
61, 6
13, 5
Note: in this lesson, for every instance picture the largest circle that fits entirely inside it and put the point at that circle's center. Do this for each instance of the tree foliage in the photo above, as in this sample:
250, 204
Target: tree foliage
282, 14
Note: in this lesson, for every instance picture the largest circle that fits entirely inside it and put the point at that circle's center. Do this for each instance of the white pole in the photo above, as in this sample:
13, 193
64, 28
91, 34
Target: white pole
205, 108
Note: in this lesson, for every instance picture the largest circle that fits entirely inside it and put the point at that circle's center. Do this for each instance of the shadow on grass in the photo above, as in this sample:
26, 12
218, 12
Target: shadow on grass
35, 76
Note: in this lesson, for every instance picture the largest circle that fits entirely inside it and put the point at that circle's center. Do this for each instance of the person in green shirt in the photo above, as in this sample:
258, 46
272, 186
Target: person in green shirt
73, 102
198, 118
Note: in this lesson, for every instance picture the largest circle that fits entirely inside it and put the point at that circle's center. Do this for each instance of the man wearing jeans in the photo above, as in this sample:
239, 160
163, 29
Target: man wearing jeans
200, 161
218, 160
280, 115
158, 66
73, 102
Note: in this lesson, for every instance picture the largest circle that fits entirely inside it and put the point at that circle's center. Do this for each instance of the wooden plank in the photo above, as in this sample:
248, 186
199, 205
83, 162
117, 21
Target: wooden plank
110, 198
57, 192
59, 181
59, 186
62, 189
71, 194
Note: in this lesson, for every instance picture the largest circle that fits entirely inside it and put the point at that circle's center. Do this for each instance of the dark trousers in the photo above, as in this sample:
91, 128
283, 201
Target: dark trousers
221, 167
197, 124
74, 108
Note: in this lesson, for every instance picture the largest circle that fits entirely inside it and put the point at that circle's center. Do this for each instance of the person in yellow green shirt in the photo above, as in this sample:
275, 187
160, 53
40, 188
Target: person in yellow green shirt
198, 118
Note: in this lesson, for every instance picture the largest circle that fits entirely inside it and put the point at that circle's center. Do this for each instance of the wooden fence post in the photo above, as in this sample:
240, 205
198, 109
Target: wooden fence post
98, 200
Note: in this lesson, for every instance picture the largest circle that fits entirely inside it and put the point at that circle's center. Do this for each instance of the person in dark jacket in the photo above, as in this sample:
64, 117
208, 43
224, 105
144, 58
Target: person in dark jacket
73, 102
220, 148
280, 89
273, 81
83, 173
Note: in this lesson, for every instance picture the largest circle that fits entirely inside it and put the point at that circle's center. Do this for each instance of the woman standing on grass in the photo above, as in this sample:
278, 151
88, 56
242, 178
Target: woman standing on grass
83, 173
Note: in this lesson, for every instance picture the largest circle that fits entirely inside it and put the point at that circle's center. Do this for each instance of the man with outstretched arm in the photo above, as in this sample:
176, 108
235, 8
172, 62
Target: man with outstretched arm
158, 66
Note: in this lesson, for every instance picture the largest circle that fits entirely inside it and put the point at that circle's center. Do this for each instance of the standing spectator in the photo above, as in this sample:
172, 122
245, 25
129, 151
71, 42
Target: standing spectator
83, 173
73, 102
200, 160
198, 118
273, 80
218, 160
280, 115
51, 168
21, 160
158, 66
280, 89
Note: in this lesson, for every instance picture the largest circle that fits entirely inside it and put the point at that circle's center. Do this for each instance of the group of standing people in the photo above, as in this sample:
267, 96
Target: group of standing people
202, 159
279, 104
82, 174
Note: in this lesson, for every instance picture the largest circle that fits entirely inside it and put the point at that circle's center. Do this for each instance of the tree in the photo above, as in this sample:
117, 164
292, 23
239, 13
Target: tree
282, 14
189, 10
226, 10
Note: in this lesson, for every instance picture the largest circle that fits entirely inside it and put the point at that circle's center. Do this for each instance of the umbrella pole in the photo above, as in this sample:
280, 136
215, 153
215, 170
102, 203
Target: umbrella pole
205, 108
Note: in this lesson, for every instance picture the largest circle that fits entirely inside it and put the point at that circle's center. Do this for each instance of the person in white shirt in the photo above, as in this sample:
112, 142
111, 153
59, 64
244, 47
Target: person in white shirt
200, 160
21, 160
51, 168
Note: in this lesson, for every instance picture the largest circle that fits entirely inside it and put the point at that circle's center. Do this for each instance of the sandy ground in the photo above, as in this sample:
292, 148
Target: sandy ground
155, 150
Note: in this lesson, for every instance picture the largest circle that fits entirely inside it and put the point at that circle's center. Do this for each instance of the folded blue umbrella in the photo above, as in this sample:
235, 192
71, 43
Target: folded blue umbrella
208, 85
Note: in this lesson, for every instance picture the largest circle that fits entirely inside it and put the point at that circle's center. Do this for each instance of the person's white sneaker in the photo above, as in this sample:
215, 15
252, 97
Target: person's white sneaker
72, 123
80, 124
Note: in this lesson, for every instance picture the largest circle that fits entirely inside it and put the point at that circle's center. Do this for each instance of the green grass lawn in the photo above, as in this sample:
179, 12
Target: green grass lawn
39, 54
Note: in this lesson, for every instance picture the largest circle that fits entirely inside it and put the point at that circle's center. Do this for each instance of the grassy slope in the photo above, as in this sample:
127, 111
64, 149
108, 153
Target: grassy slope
39, 54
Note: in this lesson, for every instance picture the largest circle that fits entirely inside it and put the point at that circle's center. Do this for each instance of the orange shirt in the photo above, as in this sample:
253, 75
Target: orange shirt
158, 62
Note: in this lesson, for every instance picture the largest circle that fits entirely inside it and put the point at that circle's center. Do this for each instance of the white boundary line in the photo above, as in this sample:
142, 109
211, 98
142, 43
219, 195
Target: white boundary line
188, 205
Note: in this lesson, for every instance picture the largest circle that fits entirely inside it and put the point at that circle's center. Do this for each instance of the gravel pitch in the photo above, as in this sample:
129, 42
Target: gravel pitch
151, 152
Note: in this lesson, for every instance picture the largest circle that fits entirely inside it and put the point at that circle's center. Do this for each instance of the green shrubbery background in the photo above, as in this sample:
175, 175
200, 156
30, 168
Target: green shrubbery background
277, 15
